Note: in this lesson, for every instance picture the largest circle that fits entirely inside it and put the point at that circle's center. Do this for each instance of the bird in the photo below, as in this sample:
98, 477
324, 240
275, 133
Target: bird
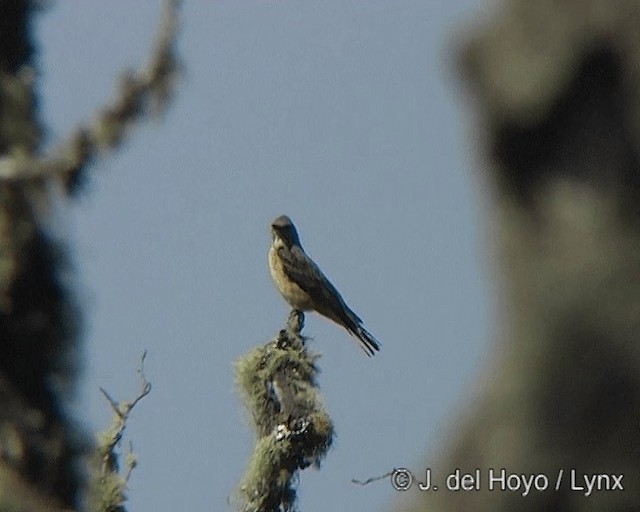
303, 285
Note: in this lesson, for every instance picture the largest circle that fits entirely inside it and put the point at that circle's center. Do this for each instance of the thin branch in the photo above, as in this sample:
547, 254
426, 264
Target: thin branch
139, 95
131, 462
121, 410
107, 484
114, 405
372, 479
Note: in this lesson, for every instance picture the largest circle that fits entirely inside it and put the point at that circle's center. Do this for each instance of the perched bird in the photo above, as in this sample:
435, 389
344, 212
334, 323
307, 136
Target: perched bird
305, 287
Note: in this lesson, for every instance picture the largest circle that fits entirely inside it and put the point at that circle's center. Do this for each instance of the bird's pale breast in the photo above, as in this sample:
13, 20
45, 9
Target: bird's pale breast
292, 293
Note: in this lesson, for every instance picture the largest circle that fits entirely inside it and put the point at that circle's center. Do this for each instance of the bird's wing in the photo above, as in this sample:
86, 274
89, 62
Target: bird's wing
303, 271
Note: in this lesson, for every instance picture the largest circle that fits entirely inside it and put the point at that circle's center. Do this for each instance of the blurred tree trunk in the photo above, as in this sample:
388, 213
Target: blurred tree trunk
557, 84
39, 445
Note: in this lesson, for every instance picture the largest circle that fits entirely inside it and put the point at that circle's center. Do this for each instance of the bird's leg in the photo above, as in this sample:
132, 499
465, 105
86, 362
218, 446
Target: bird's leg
296, 321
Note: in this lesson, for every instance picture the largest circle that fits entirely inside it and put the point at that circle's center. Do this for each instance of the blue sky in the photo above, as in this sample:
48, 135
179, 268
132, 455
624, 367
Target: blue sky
347, 117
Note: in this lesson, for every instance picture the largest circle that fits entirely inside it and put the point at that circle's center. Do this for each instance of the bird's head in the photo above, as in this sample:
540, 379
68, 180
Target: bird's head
282, 229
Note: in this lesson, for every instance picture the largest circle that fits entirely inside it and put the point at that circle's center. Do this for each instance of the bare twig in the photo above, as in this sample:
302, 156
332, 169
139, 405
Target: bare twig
107, 485
121, 410
372, 479
131, 462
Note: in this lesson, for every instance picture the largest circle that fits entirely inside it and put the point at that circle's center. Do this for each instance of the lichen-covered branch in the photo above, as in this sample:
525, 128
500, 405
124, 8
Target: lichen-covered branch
278, 384
107, 484
140, 94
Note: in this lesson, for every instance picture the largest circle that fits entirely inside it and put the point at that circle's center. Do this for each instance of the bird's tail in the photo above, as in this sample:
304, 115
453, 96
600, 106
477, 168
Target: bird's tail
368, 343
353, 324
